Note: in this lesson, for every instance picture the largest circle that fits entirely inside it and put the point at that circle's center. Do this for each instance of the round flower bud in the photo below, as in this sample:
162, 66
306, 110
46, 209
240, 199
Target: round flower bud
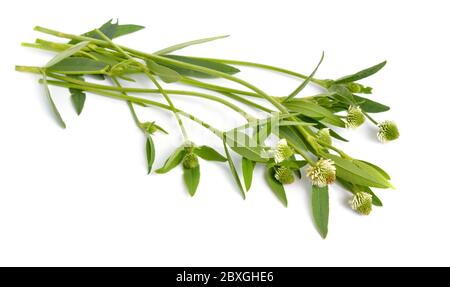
324, 136
322, 173
284, 175
190, 161
387, 131
283, 151
354, 87
361, 202
149, 127
355, 117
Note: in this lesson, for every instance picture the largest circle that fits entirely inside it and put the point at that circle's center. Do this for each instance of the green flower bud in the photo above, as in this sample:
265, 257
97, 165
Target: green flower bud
387, 131
322, 173
324, 136
284, 175
355, 117
149, 127
283, 151
190, 161
361, 202
355, 87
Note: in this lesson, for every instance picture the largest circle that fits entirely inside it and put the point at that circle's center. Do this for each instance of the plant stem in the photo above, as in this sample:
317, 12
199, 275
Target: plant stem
264, 66
130, 105
150, 76
370, 118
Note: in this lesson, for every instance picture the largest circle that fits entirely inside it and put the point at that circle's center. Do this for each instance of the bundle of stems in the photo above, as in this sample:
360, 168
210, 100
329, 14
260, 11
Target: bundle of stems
302, 125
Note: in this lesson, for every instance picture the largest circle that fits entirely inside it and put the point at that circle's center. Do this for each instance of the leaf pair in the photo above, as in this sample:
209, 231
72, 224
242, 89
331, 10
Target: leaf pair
191, 175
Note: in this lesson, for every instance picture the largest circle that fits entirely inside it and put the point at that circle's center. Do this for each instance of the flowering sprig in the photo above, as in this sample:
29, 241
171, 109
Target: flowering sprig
304, 125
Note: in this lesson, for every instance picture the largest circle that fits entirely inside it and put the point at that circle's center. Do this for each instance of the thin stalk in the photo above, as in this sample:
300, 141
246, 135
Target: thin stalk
266, 67
370, 118
145, 102
130, 105
216, 88
150, 76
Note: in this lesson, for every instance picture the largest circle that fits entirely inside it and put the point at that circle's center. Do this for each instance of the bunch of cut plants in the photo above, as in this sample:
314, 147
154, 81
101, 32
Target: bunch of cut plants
305, 128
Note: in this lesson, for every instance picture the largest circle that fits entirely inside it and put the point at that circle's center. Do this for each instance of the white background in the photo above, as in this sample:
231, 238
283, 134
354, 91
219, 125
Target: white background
81, 196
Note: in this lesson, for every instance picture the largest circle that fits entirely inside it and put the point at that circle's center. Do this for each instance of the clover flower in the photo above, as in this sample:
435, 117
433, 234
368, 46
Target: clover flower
361, 202
284, 175
324, 136
283, 151
355, 117
190, 161
387, 131
322, 173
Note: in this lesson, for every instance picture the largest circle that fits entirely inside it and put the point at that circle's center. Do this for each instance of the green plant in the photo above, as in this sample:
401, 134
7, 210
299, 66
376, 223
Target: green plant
302, 124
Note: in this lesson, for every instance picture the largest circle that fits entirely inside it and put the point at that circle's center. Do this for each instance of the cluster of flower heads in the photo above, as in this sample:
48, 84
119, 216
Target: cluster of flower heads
387, 130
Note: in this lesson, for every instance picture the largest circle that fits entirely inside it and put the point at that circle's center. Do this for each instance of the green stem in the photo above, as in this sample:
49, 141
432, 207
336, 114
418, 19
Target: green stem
130, 105
150, 76
266, 67
216, 88
370, 118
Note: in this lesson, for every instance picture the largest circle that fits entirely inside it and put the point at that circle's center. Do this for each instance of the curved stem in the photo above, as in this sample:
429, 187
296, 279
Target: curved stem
370, 118
130, 105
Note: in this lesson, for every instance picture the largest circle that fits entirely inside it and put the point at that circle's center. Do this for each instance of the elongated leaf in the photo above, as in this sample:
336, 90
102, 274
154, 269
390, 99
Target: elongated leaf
379, 169
245, 146
78, 65
150, 151
166, 74
78, 98
187, 44
358, 173
320, 209
233, 168
370, 106
293, 137
52, 103
305, 82
361, 74
342, 94
202, 63
320, 125
67, 53
191, 179
276, 186
273, 120
112, 30
314, 110
174, 159
208, 153
247, 171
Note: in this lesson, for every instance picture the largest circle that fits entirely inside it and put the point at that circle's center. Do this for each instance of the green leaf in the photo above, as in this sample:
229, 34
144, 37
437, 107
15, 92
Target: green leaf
77, 66
305, 82
245, 146
361, 74
52, 103
150, 151
292, 136
233, 168
247, 171
320, 125
358, 173
112, 30
320, 209
67, 53
174, 159
166, 74
191, 179
370, 106
208, 153
379, 169
78, 98
314, 110
341, 94
276, 186
202, 63
187, 44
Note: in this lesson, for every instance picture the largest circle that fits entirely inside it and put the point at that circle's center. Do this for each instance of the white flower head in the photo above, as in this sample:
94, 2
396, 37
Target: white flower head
361, 202
283, 151
324, 135
387, 131
355, 117
322, 173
